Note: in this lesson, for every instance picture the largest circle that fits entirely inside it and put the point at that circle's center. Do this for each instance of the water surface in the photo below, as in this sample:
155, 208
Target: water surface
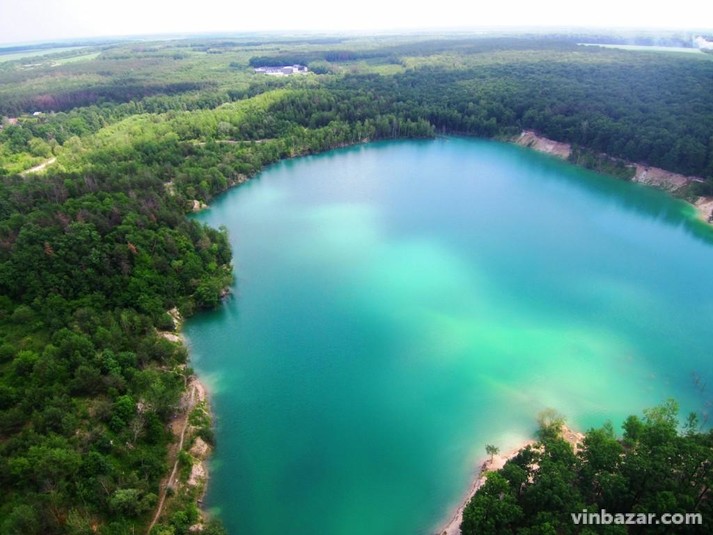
649, 48
399, 305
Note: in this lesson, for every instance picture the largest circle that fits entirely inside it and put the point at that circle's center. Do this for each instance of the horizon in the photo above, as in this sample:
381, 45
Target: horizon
502, 31
45, 21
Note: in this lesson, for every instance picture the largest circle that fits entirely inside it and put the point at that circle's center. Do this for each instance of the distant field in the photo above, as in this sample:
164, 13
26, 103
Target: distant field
35, 53
76, 59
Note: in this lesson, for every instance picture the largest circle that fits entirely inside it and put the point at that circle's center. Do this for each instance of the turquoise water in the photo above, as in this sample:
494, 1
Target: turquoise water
399, 305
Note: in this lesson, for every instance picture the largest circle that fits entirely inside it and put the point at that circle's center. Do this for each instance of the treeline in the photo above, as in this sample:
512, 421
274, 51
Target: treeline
201, 154
651, 111
39, 137
290, 58
652, 469
57, 128
114, 93
640, 109
419, 47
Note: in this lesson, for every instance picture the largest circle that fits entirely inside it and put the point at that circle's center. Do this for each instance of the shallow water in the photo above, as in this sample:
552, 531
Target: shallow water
399, 305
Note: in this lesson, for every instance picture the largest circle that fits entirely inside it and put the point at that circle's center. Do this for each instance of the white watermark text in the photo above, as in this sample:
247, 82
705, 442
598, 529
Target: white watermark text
604, 518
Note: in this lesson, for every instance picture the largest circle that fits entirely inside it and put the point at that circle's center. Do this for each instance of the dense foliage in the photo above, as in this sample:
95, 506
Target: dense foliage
89, 265
652, 468
95, 249
642, 107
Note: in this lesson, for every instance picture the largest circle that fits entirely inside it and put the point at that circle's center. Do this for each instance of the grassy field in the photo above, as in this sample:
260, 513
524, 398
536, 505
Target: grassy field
13, 56
76, 59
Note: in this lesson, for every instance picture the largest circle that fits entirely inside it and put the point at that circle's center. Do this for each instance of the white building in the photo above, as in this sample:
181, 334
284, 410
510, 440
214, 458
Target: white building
284, 70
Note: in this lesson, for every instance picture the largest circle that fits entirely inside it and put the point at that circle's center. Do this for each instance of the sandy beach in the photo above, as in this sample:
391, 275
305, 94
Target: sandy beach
452, 526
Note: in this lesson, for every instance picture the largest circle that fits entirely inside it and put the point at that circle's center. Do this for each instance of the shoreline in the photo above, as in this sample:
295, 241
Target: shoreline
452, 525
655, 177
195, 397
200, 450
455, 518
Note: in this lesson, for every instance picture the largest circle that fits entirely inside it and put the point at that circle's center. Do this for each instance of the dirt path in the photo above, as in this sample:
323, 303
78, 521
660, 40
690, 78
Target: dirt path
179, 427
38, 168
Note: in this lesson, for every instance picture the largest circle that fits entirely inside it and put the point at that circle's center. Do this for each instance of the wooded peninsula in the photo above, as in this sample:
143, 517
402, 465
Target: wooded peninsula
105, 147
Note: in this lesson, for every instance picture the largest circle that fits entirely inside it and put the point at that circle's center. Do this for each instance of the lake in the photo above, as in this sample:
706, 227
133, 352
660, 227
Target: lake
648, 48
398, 305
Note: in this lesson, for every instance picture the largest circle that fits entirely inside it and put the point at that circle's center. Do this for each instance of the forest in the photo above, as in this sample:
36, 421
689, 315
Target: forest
96, 246
653, 468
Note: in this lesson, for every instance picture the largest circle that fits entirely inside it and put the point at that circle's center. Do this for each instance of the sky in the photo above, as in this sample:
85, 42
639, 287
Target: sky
23, 21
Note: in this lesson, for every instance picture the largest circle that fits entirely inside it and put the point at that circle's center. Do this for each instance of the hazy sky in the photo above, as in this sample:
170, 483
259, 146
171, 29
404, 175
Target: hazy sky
40, 20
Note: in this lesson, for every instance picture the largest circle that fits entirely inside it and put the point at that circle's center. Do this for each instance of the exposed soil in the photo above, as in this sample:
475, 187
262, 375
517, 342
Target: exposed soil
541, 144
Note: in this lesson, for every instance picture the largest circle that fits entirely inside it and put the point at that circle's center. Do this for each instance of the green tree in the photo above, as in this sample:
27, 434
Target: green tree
493, 509
491, 450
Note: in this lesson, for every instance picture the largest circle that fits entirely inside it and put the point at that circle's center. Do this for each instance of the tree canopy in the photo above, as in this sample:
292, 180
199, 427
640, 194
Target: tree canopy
654, 467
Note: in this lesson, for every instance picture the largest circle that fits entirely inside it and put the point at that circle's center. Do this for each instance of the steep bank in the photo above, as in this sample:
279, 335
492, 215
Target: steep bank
673, 183
183, 432
188, 456
530, 139
704, 205
188, 478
